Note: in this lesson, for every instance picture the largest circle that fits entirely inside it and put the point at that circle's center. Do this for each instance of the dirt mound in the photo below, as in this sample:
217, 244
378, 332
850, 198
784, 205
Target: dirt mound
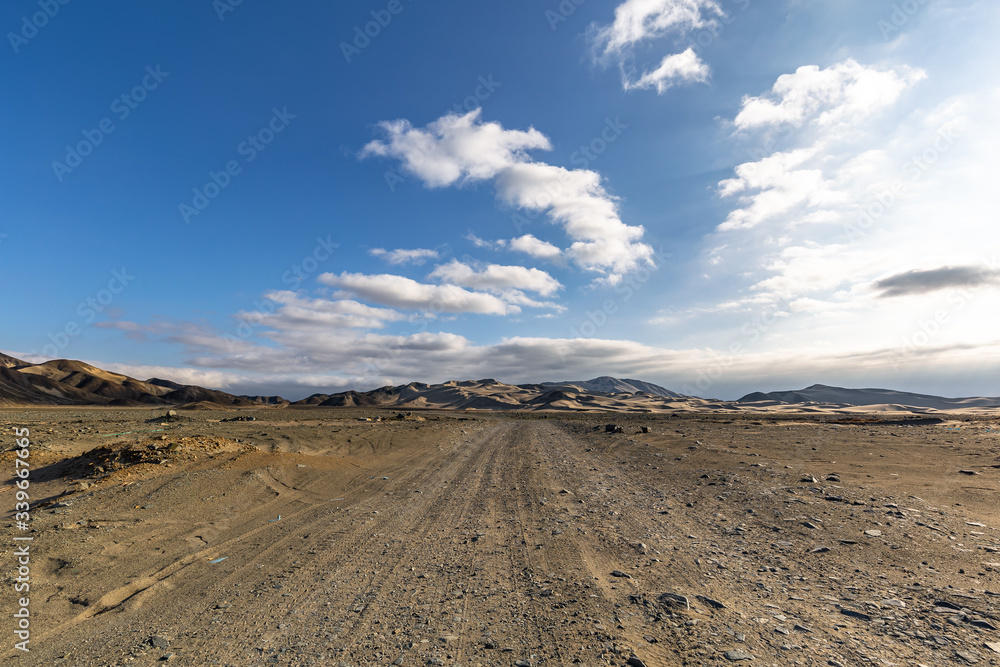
107, 460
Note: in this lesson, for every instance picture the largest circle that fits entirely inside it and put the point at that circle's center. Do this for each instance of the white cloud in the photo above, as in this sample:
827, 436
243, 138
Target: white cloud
589, 214
676, 68
295, 311
642, 20
403, 256
483, 243
462, 148
639, 20
845, 92
496, 277
455, 147
535, 247
402, 292
778, 187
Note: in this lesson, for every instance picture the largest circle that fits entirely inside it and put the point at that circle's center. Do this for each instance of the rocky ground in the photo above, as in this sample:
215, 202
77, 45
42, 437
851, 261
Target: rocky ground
307, 537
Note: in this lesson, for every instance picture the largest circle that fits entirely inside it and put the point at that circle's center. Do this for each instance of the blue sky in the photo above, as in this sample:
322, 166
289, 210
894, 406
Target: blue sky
720, 197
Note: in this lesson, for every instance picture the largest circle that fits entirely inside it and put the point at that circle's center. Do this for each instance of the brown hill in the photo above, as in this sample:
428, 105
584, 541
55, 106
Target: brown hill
69, 382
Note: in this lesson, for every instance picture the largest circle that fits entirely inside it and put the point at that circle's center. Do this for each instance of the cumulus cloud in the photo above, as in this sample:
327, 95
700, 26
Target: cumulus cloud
402, 292
496, 277
455, 148
808, 180
458, 149
844, 92
774, 185
638, 21
530, 245
677, 68
932, 280
403, 256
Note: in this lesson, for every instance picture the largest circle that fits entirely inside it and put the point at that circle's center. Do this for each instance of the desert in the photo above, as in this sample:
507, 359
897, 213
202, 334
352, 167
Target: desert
309, 535
534, 333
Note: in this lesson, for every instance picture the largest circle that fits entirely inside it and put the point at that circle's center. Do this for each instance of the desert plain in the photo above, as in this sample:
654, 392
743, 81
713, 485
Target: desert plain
360, 537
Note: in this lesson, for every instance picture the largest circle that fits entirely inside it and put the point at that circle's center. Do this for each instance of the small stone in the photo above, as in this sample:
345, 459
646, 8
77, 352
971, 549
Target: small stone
855, 614
967, 472
737, 655
635, 662
968, 656
159, 641
715, 604
674, 600
873, 533
619, 573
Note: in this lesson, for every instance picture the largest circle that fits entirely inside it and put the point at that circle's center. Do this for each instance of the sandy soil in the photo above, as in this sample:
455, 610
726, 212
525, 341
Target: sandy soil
477, 539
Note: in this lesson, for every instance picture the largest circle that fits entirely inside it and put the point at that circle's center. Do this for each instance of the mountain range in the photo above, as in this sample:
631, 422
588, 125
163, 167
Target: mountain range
840, 396
68, 382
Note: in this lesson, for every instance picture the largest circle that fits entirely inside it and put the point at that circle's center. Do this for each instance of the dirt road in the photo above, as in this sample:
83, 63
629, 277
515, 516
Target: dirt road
514, 542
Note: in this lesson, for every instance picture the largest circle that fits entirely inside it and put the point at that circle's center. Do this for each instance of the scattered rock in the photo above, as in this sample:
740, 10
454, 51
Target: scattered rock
159, 641
619, 573
674, 600
967, 472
